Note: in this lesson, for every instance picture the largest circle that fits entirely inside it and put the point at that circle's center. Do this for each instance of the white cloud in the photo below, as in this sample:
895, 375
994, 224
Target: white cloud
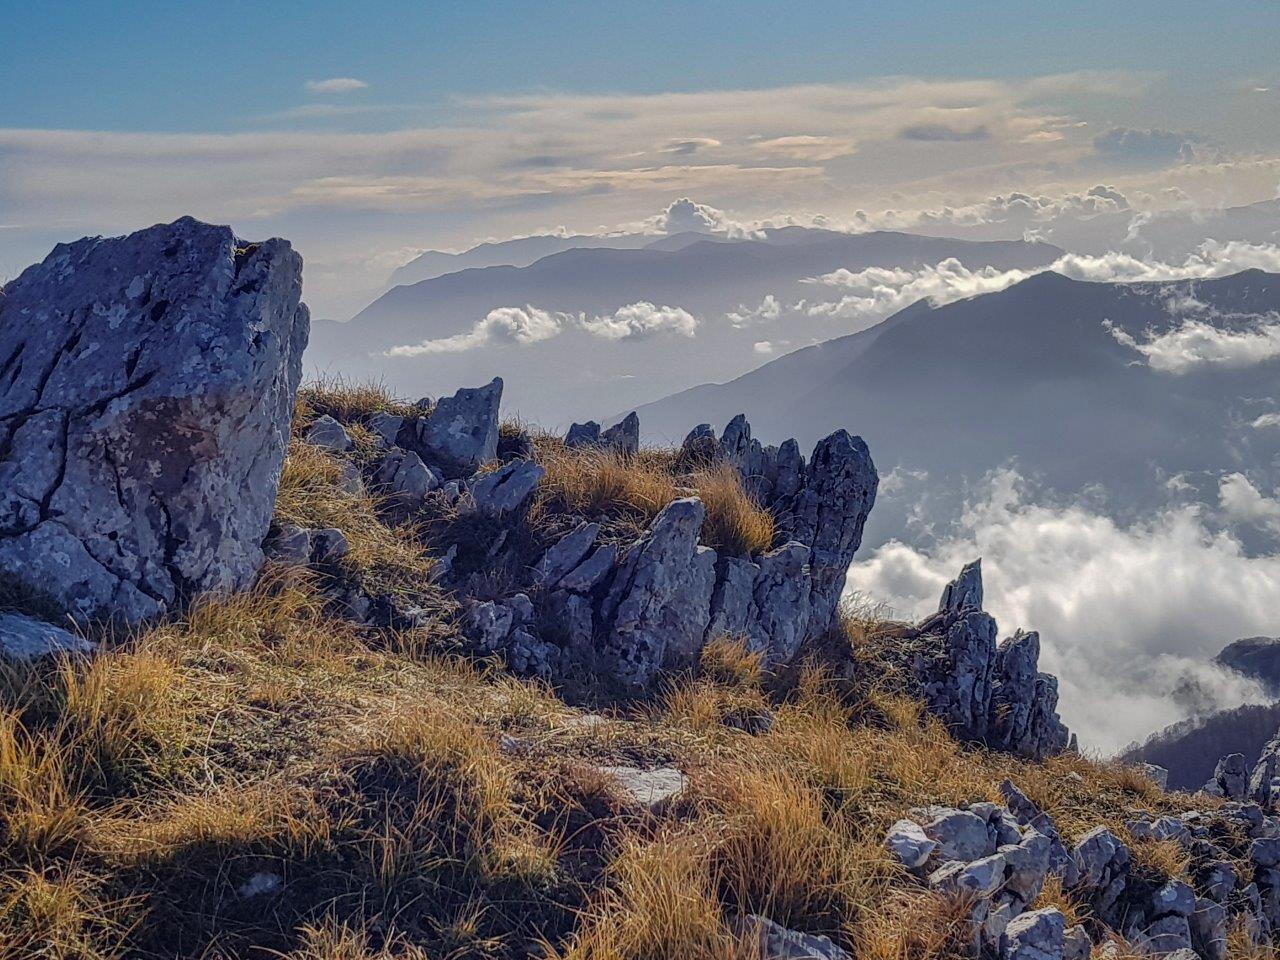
762, 347
642, 319
1267, 421
522, 326
1243, 503
518, 325
1127, 613
335, 85
1198, 343
879, 291
767, 310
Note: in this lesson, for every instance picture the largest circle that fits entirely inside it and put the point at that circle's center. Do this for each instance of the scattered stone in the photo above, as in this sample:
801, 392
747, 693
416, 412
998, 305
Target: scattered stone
583, 435
1230, 777
402, 475
1076, 944
768, 941
260, 884
328, 545
650, 789
24, 638
328, 434
144, 414
981, 878
908, 842
1036, 935
960, 835
291, 546
507, 489
566, 553
386, 427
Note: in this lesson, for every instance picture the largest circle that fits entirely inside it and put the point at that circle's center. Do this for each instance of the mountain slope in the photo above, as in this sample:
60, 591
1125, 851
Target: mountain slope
576, 372
1031, 373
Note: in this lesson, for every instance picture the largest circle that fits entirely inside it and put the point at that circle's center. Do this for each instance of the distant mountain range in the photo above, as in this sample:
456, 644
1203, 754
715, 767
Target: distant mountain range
1036, 373
740, 296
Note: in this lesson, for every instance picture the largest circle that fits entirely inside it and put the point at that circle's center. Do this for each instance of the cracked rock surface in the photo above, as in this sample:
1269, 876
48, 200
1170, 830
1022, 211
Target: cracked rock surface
146, 389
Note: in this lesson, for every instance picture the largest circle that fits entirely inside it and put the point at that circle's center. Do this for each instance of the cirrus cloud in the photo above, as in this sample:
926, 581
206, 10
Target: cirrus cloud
335, 85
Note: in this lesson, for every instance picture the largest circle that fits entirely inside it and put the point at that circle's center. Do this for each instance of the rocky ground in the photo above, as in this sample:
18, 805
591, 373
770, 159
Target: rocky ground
339, 676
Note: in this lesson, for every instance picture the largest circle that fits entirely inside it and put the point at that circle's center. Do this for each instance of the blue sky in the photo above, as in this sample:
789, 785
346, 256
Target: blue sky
225, 66
466, 121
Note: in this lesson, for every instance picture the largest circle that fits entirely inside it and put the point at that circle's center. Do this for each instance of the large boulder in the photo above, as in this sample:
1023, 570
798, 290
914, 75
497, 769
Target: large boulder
146, 388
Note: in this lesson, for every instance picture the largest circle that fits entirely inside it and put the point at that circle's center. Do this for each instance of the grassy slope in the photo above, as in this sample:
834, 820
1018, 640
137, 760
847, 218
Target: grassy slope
415, 804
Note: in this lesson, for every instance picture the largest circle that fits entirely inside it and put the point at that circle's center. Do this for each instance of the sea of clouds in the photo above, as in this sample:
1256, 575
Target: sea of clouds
1130, 613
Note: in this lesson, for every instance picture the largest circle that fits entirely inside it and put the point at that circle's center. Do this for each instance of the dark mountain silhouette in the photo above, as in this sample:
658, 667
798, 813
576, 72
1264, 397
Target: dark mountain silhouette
1190, 750
1256, 657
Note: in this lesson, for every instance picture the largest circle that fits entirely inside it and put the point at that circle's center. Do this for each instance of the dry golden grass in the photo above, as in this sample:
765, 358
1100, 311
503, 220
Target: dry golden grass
387, 559
348, 401
632, 490
659, 905
417, 805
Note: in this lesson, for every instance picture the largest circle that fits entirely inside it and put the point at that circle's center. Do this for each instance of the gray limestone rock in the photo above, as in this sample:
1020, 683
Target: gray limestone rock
462, 430
623, 436
583, 435
148, 385
24, 638
908, 842
566, 553
767, 940
1230, 777
1036, 935
386, 427
960, 835
964, 592
402, 475
650, 789
659, 604
507, 489
328, 434
291, 546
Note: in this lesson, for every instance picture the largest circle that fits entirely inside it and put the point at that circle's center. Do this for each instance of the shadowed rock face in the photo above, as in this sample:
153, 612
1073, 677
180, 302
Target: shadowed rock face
146, 389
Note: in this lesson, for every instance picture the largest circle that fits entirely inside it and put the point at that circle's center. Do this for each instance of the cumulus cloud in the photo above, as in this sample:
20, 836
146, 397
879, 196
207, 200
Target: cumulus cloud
1243, 503
879, 291
767, 310
517, 325
1129, 614
763, 347
335, 85
522, 326
1268, 421
641, 320
1196, 343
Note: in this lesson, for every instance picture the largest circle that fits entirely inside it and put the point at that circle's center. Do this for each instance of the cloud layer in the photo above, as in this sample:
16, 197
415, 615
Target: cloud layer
522, 326
1129, 614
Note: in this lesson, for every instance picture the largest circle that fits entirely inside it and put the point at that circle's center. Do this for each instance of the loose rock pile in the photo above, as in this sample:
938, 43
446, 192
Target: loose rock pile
1000, 857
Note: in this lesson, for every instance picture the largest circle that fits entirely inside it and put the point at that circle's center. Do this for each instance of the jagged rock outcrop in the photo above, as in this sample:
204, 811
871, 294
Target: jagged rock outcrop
146, 388
986, 692
628, 611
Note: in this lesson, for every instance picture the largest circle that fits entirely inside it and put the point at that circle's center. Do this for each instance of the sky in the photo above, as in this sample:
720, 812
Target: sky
369, 132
